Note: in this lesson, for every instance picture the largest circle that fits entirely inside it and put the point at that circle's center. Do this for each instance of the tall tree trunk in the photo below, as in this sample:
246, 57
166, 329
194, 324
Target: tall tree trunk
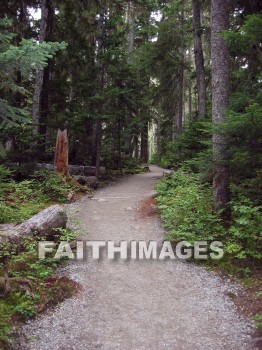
158, 140
220, 97
39, 74
101, 85
130, 19
131, 33
136, 150
179, 117
119, 145
144, 142
44, 102
199, 60
189, 87
98, 145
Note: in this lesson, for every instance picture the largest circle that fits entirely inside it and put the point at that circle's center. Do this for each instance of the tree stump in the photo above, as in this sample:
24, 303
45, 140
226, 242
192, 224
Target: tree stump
61, 152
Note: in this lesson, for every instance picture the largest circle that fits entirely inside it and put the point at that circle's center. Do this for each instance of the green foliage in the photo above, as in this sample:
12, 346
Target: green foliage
191, 148
25, 306
27, 58
245, 239
33, 286
244, 130
244, 39
186, 208
52, 186
6, 312
66, 234
258, 319
20, 200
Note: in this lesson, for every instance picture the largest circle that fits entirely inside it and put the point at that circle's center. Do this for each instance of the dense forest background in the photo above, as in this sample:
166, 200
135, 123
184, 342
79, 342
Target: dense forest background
177, 83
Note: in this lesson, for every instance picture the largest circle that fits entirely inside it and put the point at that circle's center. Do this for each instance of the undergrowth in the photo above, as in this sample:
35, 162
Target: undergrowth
34, 288
20, 200
186, 209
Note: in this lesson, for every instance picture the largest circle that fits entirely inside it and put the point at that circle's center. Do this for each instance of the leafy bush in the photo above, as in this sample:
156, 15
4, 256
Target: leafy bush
186, 209
6, 213
245, 240
51, 186
20, 200
188, 145
32, 287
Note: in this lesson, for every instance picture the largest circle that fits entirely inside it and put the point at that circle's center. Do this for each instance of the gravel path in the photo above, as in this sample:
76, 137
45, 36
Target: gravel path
138, 305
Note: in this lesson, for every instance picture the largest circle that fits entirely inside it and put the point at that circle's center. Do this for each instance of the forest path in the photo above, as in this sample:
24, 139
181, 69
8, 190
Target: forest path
138, 305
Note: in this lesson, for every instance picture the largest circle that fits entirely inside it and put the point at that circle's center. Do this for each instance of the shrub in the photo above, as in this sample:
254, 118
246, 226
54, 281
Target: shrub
186, 208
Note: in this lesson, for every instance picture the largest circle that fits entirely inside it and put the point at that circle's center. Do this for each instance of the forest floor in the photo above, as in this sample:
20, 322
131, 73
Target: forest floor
138, 305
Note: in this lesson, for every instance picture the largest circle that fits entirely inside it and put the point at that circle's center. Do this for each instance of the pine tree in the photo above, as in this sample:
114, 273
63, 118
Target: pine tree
220, 99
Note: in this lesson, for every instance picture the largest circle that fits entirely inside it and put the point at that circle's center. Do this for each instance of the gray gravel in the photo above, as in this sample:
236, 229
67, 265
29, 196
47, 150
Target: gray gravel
137, 305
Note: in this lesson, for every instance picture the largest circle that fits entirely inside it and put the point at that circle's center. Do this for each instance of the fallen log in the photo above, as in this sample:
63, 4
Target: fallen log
13, 238
43, 224
84, 170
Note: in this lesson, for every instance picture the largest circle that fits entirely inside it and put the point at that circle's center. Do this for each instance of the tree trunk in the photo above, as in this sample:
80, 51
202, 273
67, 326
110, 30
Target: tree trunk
44, 109
39, 74
98, 145
158, 140
136, 150
220, 97
130, 20
101, 85
199, 60
144, 142
61, 152
179, 114
131, 34
189, 87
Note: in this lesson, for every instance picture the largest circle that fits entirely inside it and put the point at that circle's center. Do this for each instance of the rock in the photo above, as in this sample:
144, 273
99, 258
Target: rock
90, 181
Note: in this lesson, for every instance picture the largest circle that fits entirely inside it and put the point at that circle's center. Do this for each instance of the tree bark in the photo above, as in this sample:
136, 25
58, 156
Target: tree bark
40, 73
144, 142
220, 96
131, 33
199, 60
158, 140
136, 150
189, 87
179, 114
44, 110
101, 85
130, 20
61, 152
98, 145
43, 224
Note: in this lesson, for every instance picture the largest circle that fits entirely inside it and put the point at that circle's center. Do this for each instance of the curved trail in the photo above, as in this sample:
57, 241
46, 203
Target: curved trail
137, 305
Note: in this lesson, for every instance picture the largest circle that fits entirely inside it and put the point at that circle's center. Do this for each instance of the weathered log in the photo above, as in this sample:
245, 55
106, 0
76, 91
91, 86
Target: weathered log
43, 224
90, 181
75, 169
85, 170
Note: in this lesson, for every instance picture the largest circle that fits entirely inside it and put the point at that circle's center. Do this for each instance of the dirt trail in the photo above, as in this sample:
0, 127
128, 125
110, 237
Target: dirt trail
138, 305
